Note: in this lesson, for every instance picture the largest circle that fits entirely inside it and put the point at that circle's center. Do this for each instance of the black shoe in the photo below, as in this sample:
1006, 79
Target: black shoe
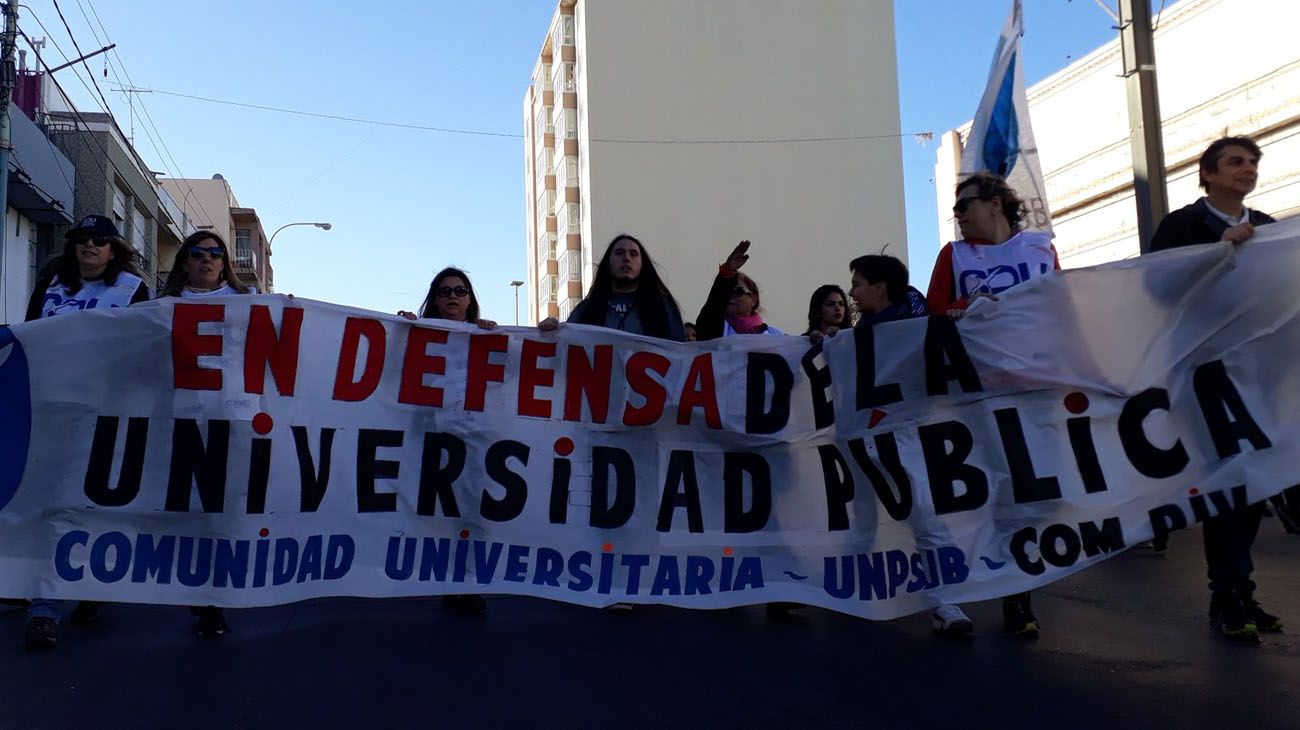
1018, 617
472, 604
85, 613
42, 633
212, 623
1228, 615
1263, 620
785, 611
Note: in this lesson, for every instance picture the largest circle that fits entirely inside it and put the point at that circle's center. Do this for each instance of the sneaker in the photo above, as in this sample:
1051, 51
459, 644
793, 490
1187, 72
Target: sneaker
1228, 615
950, 619
1263, 620
784, 611
42, 633
85, 613
212, 623
1018, 617
619, 608
472, 604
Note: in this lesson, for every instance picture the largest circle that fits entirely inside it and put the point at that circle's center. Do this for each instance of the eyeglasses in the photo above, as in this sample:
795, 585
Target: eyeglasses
446, 291
741, 291
215, 252
964, 203
97, 242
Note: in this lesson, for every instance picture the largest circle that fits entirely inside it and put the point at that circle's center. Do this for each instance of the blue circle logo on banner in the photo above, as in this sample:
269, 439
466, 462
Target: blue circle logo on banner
15, 415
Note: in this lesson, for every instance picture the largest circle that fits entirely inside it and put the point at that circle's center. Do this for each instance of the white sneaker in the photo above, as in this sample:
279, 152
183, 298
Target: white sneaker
618, 608
950, 619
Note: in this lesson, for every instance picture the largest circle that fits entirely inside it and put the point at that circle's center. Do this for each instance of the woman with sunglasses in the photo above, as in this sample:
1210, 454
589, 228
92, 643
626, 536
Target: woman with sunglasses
733, 306
202, 269
451, 297
96, 271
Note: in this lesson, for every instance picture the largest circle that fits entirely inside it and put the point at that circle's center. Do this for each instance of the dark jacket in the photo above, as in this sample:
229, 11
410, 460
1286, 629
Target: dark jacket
1195, 224
913, 305
622, 313
711, 323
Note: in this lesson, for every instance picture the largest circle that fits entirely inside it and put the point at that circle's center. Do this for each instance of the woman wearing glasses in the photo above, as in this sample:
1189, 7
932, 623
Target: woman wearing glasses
451, 297
96, 271
202, 269
733, 306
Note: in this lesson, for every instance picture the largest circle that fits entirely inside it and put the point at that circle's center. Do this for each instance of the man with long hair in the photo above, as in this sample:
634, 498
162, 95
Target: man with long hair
628, 294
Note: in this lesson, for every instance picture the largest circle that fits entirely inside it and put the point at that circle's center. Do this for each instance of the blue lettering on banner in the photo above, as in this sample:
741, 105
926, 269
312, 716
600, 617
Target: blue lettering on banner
880, 575
996, 279
15, 416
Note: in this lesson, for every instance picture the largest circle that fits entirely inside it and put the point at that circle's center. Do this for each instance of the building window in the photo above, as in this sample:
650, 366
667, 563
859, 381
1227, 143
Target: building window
244, 255
566, 25
570, 78
119, 208
575, 216
575, 266
571, 173
570, 124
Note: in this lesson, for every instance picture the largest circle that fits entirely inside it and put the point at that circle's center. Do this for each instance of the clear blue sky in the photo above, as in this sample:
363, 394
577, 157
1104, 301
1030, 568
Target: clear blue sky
404, 202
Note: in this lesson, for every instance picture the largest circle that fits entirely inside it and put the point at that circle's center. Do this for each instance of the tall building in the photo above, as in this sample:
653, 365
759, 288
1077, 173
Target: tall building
693, 125
212, 205
1209, 87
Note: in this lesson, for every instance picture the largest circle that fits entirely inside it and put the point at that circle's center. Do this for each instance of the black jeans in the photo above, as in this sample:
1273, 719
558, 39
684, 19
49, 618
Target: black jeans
1228, 539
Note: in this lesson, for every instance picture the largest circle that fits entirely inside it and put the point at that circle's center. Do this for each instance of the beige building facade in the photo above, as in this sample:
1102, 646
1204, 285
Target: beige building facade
695, 125
1210, 86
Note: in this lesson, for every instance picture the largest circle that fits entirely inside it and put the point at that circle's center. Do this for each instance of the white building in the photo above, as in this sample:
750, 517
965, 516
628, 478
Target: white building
1225, 67
642, 118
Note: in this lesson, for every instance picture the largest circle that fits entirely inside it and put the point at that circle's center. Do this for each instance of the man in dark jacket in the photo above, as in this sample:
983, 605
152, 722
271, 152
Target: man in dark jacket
1229, 169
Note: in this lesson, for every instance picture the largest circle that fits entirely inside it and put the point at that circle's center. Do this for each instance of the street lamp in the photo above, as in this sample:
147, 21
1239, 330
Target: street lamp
516, 284
322, 226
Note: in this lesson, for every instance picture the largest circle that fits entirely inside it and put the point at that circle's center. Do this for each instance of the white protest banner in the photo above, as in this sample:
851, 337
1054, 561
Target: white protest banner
259, 450
1001, 139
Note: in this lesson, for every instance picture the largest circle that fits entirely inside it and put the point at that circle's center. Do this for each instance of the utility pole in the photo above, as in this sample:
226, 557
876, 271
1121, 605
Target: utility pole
8, 80
1137, 47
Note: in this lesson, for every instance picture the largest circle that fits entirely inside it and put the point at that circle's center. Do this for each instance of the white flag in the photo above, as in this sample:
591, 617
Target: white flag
1001, 139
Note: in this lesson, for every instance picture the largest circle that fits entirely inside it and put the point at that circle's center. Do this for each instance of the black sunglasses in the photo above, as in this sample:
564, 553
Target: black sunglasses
446, 291
741, 291
964, 203
215, 252
98, 242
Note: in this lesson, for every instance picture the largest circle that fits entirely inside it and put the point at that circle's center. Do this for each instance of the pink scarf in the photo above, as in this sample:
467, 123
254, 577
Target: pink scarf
748, 325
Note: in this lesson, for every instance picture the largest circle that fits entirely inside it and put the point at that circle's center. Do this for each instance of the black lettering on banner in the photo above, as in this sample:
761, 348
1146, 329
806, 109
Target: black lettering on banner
1149, 459
736, 466
512, 504
196, 465
437, 478
946, 467
1025, 484
370, 469
681, 489
604, 514
259, 473
898, 505
315, 479
819, 380
1085, 454
1225, 412
871, 395
946, 359
100, 467
759, 418
561, 471
839, 487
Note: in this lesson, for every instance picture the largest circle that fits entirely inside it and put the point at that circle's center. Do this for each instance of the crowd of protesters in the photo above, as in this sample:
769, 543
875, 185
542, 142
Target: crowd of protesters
96, 270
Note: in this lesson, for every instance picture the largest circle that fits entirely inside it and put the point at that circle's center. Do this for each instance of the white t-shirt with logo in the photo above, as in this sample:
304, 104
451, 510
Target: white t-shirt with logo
993, 268
222, 291
91, 295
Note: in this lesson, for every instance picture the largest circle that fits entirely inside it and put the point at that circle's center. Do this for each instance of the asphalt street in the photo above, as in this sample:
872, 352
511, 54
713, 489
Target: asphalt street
1124, 644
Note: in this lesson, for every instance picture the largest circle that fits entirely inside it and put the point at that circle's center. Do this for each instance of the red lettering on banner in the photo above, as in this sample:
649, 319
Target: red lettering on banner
582, 379
356, 328
532, 377
481, 368
417, 362
188, 346
700, 392
639, 380
263, 347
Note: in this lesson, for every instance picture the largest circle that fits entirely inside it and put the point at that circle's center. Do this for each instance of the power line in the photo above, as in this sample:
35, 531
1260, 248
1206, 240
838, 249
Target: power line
512, 135
155, 138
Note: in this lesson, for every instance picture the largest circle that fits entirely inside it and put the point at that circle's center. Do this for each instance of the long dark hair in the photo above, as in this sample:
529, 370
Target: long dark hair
653, 300
820, 295
429, 308
66, 268
178, 278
